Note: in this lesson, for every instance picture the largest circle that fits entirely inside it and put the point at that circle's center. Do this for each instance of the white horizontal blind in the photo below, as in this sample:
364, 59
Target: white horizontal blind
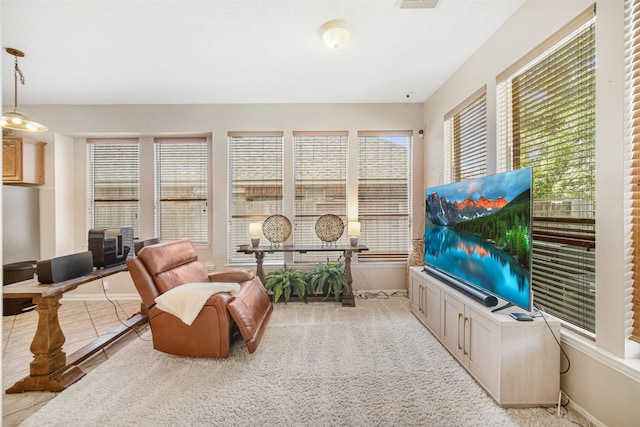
320, 160
550, 126
466, 140
632, 172
113, 181
181, 189
384, 194
256, 186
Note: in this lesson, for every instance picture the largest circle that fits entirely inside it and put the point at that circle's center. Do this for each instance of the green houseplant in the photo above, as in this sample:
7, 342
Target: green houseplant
328, 278
285, 282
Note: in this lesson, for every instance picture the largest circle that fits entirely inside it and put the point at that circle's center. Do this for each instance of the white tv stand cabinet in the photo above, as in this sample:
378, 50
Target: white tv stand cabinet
517, 363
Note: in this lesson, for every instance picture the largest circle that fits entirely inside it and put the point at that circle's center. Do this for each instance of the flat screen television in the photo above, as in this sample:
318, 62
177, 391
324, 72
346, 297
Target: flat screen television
478, 235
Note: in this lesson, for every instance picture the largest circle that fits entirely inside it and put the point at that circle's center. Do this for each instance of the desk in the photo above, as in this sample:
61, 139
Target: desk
347, 251
50, 369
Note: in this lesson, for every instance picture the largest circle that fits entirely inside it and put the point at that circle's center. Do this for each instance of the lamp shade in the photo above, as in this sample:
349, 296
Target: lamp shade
255, 229
16, 121
334, 34
353, 229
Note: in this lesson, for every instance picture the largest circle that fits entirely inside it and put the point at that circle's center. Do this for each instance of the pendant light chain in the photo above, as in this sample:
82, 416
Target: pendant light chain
16, 73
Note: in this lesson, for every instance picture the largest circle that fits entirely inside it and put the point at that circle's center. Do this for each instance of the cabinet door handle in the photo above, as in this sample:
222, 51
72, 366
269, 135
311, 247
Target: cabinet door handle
459, 334
420, 305
466, 319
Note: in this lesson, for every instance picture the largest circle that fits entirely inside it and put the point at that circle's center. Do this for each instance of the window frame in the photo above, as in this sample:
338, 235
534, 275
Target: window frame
118, 164
554, 229
466, 143
200, 234
269, 137
332, 196
632, 169
380, 213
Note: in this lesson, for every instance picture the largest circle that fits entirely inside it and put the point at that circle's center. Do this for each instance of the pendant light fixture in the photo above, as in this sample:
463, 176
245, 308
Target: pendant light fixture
14, 120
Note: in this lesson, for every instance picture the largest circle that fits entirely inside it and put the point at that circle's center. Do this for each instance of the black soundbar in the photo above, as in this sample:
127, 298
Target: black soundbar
469, 290
62, 268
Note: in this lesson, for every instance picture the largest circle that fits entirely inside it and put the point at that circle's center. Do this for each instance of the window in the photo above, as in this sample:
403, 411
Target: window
113, 183
320, 160
256, 185
632, 193
181, 189
384, 193
546, 120
465, 130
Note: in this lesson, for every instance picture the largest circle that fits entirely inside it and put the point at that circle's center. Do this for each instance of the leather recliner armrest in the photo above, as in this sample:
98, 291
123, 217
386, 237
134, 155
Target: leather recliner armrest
237, 276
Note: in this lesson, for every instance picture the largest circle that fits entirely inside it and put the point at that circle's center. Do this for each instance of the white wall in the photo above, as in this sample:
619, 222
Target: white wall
20, 224
605, 376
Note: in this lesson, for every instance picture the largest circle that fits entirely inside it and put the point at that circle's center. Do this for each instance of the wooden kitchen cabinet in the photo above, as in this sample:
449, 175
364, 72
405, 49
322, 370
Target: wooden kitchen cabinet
22, 161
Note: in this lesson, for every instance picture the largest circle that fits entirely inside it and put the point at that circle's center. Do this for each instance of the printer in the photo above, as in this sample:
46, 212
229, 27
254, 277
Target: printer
110, 246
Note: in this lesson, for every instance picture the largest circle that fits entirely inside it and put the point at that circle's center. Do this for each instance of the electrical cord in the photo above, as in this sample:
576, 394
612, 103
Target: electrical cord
565, 410
381, 295
541, 313
115, 307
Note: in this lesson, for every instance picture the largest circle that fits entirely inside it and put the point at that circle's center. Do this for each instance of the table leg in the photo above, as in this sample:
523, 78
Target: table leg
46, 370
348, 300
259, 261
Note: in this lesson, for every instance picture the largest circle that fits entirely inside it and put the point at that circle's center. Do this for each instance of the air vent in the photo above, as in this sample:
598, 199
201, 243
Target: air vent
416, 4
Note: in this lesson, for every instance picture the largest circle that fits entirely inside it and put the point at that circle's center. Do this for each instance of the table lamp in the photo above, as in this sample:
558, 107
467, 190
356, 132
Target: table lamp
255, 230
354, 232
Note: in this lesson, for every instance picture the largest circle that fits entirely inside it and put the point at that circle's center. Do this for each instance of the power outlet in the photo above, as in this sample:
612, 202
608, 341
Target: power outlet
105, 284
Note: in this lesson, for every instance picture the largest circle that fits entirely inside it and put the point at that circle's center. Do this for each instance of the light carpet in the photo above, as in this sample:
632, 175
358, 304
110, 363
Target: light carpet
318, 364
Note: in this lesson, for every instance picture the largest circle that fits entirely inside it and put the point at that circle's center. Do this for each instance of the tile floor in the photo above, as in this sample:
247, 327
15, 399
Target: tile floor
81, 322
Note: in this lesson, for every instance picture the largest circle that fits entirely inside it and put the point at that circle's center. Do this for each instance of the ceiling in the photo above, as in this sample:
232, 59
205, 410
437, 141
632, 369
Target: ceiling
237, 52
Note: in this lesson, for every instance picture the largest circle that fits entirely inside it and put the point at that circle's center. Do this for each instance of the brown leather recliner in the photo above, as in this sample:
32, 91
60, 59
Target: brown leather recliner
161, 267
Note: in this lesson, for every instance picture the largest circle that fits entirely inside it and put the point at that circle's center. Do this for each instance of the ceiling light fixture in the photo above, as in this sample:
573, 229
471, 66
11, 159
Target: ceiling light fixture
334, 34
14, 120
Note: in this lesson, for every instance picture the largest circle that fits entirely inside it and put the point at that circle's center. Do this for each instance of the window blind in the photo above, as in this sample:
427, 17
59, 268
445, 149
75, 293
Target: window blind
546, 120
256, 186
181, 166
320, 163
113, 181
384, 194
466, 139
632, 170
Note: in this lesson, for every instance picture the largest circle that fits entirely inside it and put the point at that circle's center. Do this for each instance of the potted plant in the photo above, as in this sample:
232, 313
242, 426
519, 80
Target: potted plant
328, 278
285, 282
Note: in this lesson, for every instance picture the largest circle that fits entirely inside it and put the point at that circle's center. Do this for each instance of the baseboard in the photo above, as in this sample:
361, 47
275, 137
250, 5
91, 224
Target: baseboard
578, 409
101, 297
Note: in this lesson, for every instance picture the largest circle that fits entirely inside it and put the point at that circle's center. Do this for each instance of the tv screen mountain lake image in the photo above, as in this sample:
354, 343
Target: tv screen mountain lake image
479, 231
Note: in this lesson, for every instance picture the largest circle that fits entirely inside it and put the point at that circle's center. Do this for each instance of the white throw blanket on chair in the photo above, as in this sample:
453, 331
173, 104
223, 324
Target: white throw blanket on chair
186, 301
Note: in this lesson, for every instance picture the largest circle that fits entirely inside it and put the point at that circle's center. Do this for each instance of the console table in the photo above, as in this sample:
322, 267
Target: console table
347, 251
50, 369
